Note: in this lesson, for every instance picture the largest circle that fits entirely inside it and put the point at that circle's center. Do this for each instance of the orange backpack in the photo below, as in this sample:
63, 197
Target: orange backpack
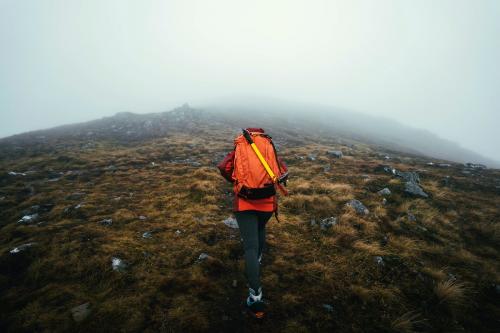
251, 180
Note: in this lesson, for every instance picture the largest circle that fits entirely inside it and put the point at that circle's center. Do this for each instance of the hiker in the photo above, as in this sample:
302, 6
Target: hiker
256, 173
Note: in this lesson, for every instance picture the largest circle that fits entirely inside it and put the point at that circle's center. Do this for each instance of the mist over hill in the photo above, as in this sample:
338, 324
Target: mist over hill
287, 120
337, 122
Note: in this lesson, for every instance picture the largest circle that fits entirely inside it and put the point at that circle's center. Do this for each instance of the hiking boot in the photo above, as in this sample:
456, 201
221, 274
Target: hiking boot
255, 304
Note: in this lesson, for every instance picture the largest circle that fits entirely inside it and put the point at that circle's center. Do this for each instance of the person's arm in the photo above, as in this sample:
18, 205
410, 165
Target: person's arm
284, 171
226, 166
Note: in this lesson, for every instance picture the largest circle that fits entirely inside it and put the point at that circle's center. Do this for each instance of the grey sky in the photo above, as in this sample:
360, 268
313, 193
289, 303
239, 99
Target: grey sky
429, 64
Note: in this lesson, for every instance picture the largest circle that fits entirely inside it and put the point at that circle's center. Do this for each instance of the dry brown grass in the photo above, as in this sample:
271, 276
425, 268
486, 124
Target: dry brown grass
166, 288
406, 322
451, 292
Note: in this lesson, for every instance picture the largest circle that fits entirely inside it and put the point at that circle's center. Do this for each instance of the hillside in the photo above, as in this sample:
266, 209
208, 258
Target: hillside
118, 225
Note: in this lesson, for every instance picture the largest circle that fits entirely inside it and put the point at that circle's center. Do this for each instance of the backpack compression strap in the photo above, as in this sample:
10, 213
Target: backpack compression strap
270, 172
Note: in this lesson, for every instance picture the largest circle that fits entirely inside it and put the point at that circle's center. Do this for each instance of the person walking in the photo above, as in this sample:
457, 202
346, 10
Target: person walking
256, 172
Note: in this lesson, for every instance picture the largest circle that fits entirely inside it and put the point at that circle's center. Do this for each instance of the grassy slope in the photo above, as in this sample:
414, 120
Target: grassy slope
437, 271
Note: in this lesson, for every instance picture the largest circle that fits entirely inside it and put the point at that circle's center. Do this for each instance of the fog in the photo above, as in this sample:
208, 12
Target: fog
427, 64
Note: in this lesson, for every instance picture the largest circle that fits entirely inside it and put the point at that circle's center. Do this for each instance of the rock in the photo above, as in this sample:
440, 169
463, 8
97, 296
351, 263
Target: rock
385, 168
335, 153
110, 168
358, 207
409, 176
387, 157
475, 166
118, 264
147, 234
327, 168
76, 196
142, 218
411, 217
81, 312
21, 248
384, 201
379, 260
415, 190
177, 232
203, 256
328, 307
231, 222
311, 157
384, 192
328, 223
72, 209
28, 219
13, 173
444, 165
106, 222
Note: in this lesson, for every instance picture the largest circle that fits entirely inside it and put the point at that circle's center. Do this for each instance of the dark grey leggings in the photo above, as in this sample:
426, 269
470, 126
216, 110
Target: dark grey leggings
252, 224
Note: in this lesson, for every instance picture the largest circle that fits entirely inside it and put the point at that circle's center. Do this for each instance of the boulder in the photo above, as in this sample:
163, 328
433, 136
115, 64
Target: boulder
411, 217
80, 312
106, 222
76, 196
28, 219
384, 192
21, 248
335, 153
327, 307
414, 189
409, 176
328, 223
379, 260
203, 256
118, 264
231, 222
358, 207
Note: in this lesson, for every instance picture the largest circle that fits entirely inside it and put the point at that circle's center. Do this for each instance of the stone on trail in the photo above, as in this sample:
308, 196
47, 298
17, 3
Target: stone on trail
13, 173
414, 189
358, 207
27, 219
409, 176
411, 217
328, 307
118, 264
147, 234
379, 260
335, 153
231, 222
106, 222
328, 222
203, 256
385, 191
21, 248
81, 312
